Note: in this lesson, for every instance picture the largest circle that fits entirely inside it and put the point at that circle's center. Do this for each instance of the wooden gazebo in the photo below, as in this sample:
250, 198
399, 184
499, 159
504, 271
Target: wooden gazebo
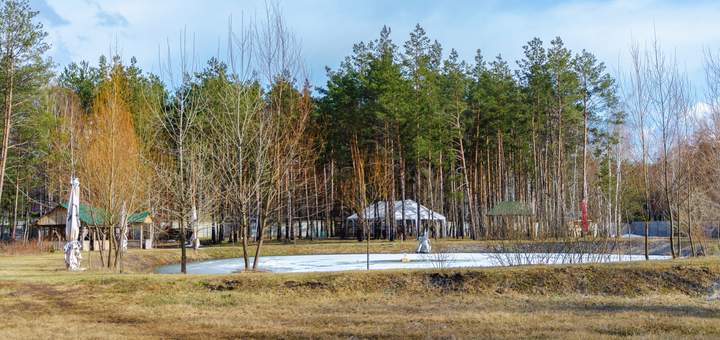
52, 224
511, 209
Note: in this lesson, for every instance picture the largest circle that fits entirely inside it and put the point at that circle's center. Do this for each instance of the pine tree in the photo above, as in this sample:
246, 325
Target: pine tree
596, 94
535, 88
564, 92
23, 70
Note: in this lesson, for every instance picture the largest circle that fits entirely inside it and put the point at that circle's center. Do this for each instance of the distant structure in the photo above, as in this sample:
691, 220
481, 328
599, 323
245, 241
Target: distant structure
510, 210
382, 212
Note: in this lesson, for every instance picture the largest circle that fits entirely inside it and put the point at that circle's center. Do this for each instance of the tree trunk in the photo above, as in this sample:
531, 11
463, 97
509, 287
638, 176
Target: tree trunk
7, 113
244, 235
309, 230
317, 203
584, 166
17, 193
260, 243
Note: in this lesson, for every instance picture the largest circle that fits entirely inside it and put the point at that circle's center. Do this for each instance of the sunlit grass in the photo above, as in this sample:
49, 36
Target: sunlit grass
39, 301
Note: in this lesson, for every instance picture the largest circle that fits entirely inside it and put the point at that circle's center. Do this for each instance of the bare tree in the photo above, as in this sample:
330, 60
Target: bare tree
710, 130
234, 134
282, 125
367, 183
179, 154
666, 106
635, 101
109, 159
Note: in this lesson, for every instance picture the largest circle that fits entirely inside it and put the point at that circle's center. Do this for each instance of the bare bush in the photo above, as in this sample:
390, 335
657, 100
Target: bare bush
518, 253
22, 248
439, 259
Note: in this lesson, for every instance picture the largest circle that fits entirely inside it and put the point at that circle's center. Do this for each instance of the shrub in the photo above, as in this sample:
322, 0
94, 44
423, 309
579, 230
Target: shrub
22, 248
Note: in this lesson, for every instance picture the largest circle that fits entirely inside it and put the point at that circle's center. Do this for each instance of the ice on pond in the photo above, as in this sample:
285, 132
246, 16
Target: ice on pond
343, 262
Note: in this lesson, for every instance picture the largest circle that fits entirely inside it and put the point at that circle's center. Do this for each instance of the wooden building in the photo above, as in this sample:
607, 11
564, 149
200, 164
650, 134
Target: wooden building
51, 226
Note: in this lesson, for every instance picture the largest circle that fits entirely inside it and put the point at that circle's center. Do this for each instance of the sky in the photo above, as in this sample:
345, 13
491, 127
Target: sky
86, 29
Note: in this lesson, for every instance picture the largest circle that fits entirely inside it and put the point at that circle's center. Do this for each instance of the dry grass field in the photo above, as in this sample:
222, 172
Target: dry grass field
655, 300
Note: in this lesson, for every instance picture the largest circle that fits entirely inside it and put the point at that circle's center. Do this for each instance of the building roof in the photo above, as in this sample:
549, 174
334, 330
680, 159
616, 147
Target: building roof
143, 217
410, 212
88, 215
510, 208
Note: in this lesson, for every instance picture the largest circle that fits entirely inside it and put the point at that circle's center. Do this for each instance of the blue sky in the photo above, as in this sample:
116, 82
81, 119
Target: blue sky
85, 29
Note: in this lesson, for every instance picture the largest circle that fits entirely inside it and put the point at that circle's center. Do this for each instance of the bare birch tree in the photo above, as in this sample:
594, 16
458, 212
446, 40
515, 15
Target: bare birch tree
282, 125
234, 132
666, 106
179, 152
634, 92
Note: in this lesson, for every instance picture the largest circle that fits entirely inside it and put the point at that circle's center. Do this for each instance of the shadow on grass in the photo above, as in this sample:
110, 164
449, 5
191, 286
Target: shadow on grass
654, 309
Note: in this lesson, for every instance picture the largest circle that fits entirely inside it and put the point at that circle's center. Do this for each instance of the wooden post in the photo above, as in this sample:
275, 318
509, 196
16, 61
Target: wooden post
487, 230
532, 226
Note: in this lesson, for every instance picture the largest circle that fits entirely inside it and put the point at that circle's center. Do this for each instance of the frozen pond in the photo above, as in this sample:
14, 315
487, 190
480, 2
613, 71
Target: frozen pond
341, 262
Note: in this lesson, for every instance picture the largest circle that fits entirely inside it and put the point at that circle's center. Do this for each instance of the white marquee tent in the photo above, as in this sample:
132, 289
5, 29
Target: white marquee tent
411, 213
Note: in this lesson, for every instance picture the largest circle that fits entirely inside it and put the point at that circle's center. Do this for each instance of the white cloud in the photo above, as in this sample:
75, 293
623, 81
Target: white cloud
328, 29
110, 19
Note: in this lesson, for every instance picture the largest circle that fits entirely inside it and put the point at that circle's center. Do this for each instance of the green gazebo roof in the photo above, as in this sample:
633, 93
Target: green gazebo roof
90, 215
510, 208
138, 217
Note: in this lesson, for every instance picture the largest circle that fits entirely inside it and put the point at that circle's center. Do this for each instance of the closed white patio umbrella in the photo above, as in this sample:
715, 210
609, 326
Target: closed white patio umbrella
123, 228
72, 227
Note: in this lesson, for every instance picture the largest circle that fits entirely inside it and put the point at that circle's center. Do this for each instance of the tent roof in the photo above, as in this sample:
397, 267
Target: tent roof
88, 215
410, 211
510, 208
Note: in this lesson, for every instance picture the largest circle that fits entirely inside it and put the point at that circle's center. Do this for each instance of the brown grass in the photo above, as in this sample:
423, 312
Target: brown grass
659, 299
22, 248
